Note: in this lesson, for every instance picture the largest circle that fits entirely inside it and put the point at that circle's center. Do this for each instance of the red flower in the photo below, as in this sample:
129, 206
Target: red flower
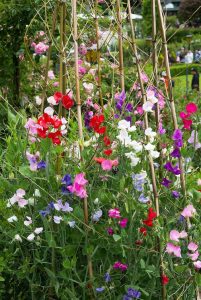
99, 160
67, 102
58, 96
96, 122
152, 214
148, 222
164, 279
143, 230
106, 141
187, 124
108, 152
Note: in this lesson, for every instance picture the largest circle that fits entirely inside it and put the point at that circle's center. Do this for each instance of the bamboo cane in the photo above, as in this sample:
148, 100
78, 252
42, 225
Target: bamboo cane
79, 115
120, 43
98, 56
146, 123
170, 93
54, 18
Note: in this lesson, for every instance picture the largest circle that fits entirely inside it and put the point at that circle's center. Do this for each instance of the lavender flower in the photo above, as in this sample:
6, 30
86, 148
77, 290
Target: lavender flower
143, 199
100, 289
41, 164
175, 194
97, 215
133, 293
177, 138
107, 277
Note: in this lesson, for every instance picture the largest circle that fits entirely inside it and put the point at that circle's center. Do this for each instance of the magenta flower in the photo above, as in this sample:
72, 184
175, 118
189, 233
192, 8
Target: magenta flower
188, 211
172, 249
114, 213
119, 265
123, 223
78, 187
110, 231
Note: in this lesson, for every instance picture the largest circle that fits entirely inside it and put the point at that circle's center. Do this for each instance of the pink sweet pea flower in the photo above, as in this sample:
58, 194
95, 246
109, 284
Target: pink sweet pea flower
176, 235
192, 246
119, 265
197, 264
79, 178
106, 165
144, 77
194, 256
123, 223
188, 211
172, 249
114, 213
78, 187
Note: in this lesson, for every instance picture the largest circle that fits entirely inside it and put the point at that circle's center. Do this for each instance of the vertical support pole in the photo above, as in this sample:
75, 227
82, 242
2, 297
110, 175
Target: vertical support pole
98, 56
79, 116
170, 92
62, 64
120, 43
54, 17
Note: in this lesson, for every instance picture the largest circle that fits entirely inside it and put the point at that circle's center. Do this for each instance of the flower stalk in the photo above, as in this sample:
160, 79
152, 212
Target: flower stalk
120, 43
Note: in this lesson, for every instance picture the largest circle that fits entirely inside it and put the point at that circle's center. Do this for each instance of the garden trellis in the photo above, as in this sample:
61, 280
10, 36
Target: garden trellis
99, 202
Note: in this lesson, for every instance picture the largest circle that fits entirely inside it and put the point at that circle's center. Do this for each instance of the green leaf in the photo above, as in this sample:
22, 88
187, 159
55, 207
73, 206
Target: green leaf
1, 279
116, 237
66, 264
142, 263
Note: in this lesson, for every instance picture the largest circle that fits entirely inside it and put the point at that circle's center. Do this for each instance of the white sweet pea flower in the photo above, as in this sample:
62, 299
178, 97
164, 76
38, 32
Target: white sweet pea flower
136, 146
123, 124
31, 237
18, 238
132, 128
124, 137
38, 100
71, 224
38, 230
31, 201
149, 132
51, 100
149, 147
37, 193
147, 106
151, 97
28, 221
12, 219
49, 110
134, 159
154, 154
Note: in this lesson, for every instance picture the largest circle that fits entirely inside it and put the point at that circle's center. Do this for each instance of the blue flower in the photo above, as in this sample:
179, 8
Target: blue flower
41, 164
143, 199
100, 289
67, 180
107, 277
133, 293
97, 215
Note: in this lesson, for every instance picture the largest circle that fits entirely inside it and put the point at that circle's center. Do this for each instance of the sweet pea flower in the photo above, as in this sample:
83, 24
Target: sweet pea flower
114, 213
12, 219
197, 264
97, 215
31, 237
38, 230
172, 249
188, 211
194, 140
191, 108
88, 87
18, 238
78, 187
123, 223
18, 198
51, 75
57, 219
192, 246
119, 265
144, 77
110, 231
176, 235
28, 221
193, 256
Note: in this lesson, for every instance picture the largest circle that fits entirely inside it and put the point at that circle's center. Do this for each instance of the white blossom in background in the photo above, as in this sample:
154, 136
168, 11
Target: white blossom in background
12, 219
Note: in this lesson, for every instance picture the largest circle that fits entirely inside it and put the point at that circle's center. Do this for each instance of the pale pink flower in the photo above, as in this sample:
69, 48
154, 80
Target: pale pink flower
56, 83
188, 211
31, 237
40, 48
192, 246
197, 264
194, 256
114, 213
88, 87
38, 230
176, 235
144, 77
172, 249
199, 181
183, 234
51, 75
28, 221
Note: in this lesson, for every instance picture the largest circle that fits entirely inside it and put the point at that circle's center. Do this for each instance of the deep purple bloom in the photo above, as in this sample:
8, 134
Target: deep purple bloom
67, 180
176, 153
119, 105
129, 107
177, 138
129, 119
175, 194
174, 170
121, 97
100, 289
116, 116
181, 219
166, 182
87, 118
41, 164
133, 293
107, 277
47, 210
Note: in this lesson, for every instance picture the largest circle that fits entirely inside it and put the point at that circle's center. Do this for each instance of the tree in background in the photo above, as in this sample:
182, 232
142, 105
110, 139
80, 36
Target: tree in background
187, 9
147, 17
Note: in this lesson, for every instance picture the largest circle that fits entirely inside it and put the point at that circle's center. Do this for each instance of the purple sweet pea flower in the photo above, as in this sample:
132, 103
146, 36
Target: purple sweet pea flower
125, 297
129, 107
175, 194
41, 165
116, 116
176, 153
175, 170
143, 199
133, 293
66, 181
100, 289
97, 215
177, 138
107, 277
166, 182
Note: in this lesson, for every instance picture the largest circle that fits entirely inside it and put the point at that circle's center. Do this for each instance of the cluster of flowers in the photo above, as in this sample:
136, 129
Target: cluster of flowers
138, 182
96, 123
191, 108
58, 97
46, 126
175, 236
79, 186
132, 294
148, 221
34, 163
41, 47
